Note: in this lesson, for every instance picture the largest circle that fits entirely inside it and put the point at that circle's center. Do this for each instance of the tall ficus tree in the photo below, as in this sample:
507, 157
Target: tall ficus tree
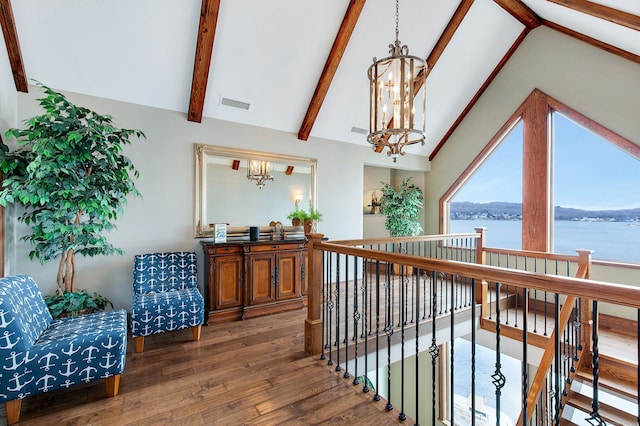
71, 178
402, 208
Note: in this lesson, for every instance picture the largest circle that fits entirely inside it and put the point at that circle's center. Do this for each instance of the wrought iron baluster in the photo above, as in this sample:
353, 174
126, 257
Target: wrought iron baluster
556, 378
376, 397
452, 351
331, 306
525, 357
434, 350
594, 417
497, 377
417, 353
403, 322
337, 343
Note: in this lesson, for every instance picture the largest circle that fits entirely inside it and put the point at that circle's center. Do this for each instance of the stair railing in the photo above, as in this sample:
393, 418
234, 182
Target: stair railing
361, 310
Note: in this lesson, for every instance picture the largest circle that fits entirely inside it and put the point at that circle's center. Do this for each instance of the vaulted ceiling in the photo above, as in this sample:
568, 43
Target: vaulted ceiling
301, 66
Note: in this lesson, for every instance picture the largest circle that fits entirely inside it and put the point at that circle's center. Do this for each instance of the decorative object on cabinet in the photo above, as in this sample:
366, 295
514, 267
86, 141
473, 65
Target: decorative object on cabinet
41, 354
165, 295
248, 279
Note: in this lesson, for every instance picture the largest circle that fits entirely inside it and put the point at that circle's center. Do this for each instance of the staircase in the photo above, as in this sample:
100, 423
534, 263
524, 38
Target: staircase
617, 393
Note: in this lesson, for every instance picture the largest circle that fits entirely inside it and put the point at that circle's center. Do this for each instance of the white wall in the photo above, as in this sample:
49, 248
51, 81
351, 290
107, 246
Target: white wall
8, 119
598, 84
163, 219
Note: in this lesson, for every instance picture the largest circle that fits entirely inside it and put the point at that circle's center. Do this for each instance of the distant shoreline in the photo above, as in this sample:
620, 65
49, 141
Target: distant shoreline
498, 210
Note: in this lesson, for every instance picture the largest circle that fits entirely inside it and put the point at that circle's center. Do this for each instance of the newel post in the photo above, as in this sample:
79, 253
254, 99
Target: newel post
313, 323
481, 258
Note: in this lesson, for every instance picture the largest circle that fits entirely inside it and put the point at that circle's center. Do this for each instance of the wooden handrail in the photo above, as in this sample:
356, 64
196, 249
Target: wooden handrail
619, 294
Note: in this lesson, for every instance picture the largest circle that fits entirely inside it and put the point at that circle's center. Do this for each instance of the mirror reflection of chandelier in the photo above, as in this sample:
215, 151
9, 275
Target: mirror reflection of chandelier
397, 101
259, 171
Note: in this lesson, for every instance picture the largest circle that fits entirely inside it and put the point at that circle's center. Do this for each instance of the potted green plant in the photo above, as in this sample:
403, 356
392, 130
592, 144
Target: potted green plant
401, 208
70, 177
311, 221
297, 217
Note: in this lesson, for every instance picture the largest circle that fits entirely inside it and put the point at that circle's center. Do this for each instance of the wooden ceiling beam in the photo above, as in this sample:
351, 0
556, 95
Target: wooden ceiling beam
331, 66
12, 42
593, 42
610, 14
202, 62
521, 12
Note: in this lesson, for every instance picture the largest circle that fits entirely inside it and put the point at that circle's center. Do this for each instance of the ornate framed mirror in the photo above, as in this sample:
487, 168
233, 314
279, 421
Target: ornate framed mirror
232, 186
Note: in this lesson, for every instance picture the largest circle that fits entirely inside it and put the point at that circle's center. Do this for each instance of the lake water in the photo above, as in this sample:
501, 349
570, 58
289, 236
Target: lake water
619, 241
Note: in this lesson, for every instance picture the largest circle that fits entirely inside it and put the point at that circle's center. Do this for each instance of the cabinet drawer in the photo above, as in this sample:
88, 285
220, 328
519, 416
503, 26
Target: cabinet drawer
274, 246
221, 250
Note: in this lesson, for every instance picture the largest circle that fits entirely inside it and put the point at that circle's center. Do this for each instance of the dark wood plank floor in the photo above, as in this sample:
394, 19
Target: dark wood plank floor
244, 372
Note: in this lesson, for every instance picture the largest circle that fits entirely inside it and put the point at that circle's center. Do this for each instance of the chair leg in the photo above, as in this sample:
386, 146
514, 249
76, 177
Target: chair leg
139, 343
113, 385
195, 331
13, 411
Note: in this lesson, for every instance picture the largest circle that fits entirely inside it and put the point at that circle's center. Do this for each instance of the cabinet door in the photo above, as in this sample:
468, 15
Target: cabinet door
228, 282
288, 275
261, 273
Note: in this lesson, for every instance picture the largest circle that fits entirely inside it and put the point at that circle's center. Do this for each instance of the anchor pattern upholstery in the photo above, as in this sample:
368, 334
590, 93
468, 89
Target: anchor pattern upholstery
165, 293
39, 354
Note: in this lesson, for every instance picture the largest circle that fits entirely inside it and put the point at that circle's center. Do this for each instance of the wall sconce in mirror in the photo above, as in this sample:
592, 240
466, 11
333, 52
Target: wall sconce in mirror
259, 171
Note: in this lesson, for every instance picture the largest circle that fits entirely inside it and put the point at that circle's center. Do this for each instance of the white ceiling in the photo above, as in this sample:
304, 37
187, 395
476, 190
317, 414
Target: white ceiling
271, 54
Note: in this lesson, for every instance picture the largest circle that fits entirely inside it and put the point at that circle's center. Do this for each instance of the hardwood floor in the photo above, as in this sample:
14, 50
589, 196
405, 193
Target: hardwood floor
243, 372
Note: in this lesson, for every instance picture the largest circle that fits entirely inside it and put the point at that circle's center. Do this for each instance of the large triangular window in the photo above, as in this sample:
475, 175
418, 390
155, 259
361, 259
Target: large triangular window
580, 184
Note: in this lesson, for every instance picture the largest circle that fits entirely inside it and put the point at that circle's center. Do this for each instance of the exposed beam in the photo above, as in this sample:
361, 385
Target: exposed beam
235, 165
448, 33
13, 46
521, 12
480, 91
593, 42
610, 14
204, 51
289, 171
331, 66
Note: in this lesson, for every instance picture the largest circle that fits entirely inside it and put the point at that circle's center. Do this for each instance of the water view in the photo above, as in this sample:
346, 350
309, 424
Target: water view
616, 241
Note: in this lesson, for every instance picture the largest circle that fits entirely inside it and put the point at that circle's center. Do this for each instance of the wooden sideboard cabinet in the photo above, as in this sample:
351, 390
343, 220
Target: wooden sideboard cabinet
249, 279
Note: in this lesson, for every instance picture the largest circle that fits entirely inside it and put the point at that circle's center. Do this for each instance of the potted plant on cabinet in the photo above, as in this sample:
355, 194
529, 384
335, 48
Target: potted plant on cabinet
401, 208
70, 177
311, 221
297, 217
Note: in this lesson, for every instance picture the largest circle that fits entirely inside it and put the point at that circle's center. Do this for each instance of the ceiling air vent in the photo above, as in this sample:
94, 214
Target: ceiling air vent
234, 103
360, 130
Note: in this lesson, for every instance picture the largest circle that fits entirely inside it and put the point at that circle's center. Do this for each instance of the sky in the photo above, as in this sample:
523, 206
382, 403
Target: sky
589, 172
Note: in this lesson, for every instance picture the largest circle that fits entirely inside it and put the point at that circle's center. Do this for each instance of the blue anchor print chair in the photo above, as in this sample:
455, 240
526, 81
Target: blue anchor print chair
165, 295
39, 354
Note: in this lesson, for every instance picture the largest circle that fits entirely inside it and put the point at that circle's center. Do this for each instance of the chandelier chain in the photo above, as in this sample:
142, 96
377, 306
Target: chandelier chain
397, 20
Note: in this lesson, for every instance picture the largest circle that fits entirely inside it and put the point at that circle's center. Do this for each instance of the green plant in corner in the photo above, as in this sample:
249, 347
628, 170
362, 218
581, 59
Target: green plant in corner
401, 208
70, 177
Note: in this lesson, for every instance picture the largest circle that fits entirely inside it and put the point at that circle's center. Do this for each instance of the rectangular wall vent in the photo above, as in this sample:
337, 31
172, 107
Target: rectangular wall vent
234, 103
360, 130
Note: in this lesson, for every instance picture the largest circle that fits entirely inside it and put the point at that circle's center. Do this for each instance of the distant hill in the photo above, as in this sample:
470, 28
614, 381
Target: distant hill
513, 211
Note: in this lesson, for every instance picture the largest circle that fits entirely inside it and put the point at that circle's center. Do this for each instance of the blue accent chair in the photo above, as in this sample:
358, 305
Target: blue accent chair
165, 295
39, 354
